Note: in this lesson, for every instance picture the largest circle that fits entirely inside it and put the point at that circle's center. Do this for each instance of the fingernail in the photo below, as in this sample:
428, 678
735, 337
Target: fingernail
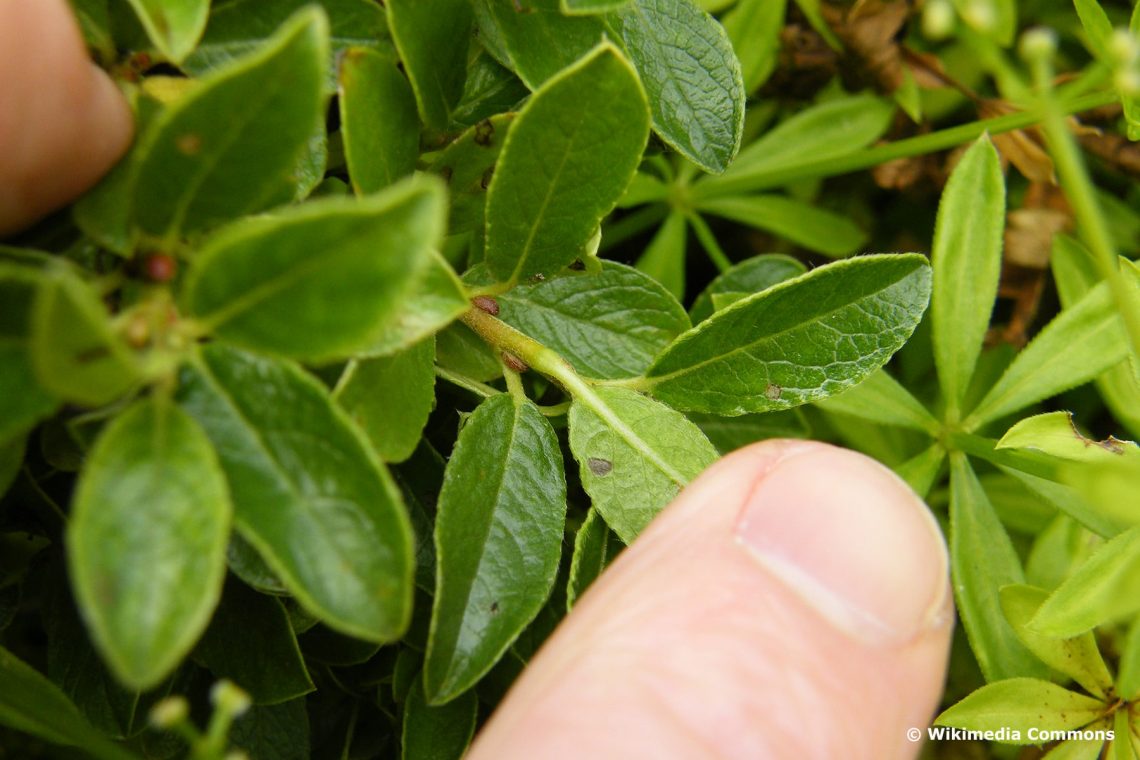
852, 541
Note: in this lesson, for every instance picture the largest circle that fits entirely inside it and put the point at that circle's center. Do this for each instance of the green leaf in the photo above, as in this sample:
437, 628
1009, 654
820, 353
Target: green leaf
75, 351
250, 642
607, 325
818, 134
1076, 657
437, 298
595, 546
1104, 589
921, 471
229, 147
460, 350
1128, 670
880, 398
467, 165
432, 41
498, 537
23, 401
1076, 749
691, 75
585, 7
967, 263
390, 397
982, 560
1021, 704
239, 27
308, 493
1079, 344
11, 457
147, 540
490, 90
634, 455
267, 282
248, 565
1109, 485
798, 341
664, 257
95, 24
814, 228
731, 433
279, 732
1098, 28
1070, 501
1056, 434
538, 42
437, 733
174, 26
753, 27
32, 704
748, 277
379, 124
567, 160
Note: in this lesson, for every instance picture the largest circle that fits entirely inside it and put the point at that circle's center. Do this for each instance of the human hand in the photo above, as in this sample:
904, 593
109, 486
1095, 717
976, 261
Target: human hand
63, 123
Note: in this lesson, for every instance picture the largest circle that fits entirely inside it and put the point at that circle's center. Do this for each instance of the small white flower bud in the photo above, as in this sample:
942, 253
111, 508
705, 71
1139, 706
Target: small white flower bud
938, 19
1038, 43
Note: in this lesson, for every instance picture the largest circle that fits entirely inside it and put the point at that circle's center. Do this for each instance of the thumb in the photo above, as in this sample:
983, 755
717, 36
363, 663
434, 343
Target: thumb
62, 122
793, 602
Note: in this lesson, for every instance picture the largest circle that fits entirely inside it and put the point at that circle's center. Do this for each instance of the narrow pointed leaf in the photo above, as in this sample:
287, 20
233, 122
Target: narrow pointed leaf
749, 276
437, 298
308, 493
379, 123
664, 258
467, 166
390, 397
754, 27
595, 546
608, 325
799, 341
498, 537
692, 76
540, 41
174, 26
1128, 670
567, 160
432, 41
229, 147
437, 733
1104, 589
32, 704
921, 471
967, 262
267, 282
634, 455
982, 560
1021, 704
147, 540
813, 228
1056, 434
880, 398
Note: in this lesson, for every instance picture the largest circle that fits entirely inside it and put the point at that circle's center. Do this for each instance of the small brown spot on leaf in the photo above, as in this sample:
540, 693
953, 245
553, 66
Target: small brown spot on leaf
772, 392
446, 173
189, 144
484, 133
487, 175
494, 608
600, 467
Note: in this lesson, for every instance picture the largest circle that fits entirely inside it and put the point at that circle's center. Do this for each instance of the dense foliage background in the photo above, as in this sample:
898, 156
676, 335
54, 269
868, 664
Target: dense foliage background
401, 319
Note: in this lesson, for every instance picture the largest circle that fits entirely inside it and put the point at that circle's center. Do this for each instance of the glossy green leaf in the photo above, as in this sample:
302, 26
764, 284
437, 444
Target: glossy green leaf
32, 704
467, 165
248, 565
239, 27
23, 401
1104, 589
584, 7
664, 257
230, 146
820, 133
595, 546
982, 560
1056, 434
308, 493
748, 277
75, 351
432, 41
437, 298
813, 228
174, 26
1079, 344
691, 75
880, 398
491, 89
1077, 657
607, 325
279, 732
437, 733
267, 282
379, 124
798, 341
567, 160
250, 641
967, 263
460, 350
539, 41
147, 540
634, 455
390, 397
498, 537
1021, 704
753, 27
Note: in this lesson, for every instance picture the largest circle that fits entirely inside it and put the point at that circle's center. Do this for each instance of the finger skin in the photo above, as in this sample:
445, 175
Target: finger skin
63, 124
686, 648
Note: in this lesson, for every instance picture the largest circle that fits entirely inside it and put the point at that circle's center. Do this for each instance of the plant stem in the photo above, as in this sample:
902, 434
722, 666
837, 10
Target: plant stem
466, 383
708, 242
730, 184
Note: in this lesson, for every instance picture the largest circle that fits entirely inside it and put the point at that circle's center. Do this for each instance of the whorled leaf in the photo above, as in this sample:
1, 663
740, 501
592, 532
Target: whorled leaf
1021, 704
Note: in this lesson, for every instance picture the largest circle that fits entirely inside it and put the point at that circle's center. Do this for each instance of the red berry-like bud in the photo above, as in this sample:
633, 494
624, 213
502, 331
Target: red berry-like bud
160, 267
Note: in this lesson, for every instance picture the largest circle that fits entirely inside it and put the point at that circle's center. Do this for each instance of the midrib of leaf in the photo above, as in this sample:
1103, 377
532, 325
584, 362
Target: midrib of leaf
283, 476
651, 381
